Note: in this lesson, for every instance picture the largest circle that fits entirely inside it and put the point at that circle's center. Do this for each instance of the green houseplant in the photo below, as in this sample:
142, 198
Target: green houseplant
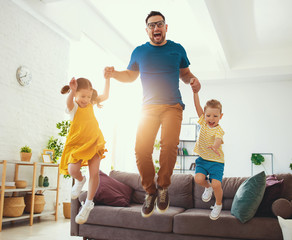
257, 159
25, 153
57, 144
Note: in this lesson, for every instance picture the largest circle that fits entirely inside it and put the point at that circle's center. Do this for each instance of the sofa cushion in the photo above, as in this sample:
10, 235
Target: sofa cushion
130, 217
180, 190
197, 222
248, 197
273, 191
112, 192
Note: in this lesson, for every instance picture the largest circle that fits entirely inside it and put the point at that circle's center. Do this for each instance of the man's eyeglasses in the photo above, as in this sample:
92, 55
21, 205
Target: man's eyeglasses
159, 24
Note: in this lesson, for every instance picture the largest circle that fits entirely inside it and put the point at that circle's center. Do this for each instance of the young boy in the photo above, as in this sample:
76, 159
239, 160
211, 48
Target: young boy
208, 147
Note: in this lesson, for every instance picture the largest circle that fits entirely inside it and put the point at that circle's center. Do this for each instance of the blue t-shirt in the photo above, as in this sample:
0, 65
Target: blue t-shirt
159, 71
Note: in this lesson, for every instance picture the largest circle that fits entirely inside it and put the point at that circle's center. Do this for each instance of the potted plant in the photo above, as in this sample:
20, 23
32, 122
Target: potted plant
25, 153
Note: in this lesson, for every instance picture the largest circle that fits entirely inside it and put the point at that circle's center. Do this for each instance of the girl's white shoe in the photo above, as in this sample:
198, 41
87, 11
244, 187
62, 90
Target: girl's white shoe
84, 212
76, 189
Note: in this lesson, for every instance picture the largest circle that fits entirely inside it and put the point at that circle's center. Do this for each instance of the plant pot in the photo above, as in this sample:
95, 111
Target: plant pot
13, 206
67, 209
25, 157
39, 203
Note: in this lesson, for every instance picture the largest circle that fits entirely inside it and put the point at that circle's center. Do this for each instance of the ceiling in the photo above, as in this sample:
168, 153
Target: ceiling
226, 39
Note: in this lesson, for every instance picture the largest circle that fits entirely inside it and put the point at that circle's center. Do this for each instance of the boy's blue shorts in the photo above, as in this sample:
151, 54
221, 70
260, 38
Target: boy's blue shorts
213, 169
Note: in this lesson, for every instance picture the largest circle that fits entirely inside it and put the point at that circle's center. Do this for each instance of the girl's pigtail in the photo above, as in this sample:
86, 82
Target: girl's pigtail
95, 99
65, 89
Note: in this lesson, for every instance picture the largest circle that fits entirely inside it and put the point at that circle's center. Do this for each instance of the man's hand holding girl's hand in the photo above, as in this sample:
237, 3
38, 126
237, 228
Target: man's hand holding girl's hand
108, 72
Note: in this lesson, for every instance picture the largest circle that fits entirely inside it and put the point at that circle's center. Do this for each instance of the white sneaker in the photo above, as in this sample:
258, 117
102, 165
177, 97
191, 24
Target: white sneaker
76, 189
216, 210
207, 194
84, 213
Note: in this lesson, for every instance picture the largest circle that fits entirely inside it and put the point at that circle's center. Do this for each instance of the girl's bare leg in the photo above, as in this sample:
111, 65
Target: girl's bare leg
93, 166
74, 170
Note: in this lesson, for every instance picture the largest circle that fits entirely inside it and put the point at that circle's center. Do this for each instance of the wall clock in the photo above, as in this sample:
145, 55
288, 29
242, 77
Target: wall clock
23, 76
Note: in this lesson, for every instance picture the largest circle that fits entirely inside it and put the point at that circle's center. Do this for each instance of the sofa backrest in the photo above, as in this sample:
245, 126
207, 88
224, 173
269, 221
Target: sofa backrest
287, 189
180, 191
230, 186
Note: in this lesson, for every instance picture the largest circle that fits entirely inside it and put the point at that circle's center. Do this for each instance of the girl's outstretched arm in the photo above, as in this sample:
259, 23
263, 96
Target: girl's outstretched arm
73, 88
105, 94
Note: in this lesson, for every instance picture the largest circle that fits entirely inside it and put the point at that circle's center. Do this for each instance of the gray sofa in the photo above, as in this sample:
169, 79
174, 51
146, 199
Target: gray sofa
186, 219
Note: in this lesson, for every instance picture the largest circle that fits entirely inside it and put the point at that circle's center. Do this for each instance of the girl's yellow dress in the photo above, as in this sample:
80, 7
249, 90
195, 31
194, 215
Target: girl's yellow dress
84, 139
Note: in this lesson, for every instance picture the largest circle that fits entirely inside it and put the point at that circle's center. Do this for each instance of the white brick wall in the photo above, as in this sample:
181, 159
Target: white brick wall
28, 115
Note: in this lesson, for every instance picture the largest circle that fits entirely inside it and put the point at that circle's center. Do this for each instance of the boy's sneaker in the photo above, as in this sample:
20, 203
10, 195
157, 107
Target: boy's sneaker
207, 194
76, 189
162, 202
84, 213
148, 206
216, 210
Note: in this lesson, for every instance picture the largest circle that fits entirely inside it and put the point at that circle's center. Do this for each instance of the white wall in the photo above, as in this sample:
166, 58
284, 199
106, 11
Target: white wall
257, 119
29, 114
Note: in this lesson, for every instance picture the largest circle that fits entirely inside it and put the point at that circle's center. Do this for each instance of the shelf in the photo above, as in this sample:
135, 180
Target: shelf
23, 216
188, 155
33, 189
188, 139
27, 189
27, 216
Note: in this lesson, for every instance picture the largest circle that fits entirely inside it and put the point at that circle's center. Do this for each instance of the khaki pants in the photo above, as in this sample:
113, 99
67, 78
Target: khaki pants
170, 118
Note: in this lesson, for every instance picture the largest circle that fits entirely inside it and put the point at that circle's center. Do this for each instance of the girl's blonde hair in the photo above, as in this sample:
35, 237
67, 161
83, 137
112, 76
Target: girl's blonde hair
213, 104
83, 83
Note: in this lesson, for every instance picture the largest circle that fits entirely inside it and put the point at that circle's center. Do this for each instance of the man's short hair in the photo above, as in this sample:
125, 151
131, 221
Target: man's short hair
154, 13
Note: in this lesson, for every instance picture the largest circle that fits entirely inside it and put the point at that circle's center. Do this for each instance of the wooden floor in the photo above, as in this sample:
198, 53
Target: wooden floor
45, 228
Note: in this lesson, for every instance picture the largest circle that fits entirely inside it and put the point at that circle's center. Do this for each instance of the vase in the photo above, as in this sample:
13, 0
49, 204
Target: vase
41, 181
67, 209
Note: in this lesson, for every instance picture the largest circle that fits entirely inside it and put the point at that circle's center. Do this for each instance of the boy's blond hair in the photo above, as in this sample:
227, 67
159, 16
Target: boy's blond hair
213, 104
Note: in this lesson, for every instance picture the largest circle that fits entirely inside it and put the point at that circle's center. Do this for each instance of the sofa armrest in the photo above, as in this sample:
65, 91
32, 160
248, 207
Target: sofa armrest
283, 208
75, 205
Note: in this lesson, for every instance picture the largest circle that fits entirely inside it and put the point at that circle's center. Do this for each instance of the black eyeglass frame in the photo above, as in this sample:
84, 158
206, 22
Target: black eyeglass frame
162, 23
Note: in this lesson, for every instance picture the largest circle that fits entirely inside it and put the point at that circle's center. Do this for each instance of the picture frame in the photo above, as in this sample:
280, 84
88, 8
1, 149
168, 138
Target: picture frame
188, 132
46, 158
50, 152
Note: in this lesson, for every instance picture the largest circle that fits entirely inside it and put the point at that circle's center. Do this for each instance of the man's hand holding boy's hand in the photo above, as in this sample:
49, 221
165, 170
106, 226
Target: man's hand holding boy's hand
195, 84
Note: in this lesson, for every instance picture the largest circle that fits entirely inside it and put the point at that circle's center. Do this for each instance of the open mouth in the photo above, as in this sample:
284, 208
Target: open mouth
211, 124
157, 36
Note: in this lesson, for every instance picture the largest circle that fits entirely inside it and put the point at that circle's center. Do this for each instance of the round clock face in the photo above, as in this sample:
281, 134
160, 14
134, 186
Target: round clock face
23, 76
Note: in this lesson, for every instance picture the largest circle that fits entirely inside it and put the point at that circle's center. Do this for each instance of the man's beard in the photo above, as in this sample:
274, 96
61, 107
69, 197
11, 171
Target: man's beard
157, 42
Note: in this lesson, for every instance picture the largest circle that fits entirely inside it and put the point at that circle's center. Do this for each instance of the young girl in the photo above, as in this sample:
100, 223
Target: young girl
85, 143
